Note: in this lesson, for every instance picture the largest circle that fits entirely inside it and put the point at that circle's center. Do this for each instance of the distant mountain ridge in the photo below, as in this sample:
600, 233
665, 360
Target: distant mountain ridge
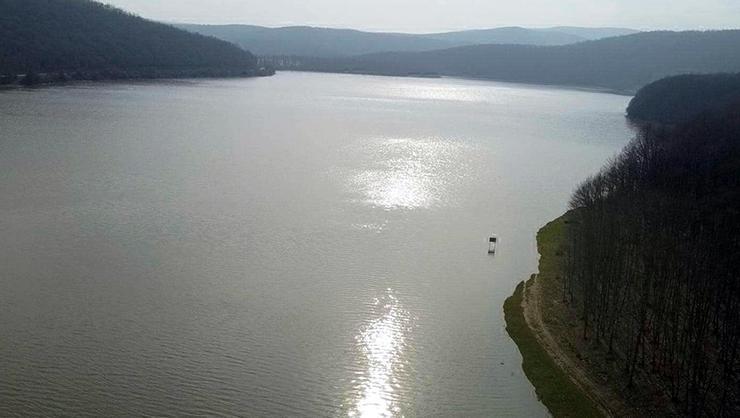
623, 63
326, 42
593, 34
93, 40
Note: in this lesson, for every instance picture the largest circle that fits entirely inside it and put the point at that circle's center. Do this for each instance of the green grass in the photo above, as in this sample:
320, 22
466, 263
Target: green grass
559, 394
549, 241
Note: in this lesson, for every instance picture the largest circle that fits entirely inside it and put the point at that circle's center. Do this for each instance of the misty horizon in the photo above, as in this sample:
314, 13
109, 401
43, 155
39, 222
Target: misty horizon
402, 32
432, 32
417, 17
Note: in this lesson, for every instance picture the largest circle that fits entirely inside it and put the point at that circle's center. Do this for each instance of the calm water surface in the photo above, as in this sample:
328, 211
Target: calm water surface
301, 245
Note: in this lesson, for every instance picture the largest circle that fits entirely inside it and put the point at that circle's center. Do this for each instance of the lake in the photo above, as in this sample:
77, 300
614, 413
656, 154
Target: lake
300, 245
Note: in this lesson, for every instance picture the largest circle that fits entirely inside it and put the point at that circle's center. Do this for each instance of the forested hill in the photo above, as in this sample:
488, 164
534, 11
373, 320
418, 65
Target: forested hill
651, 257
680, 99
620, 63
316, 42
328, 42
86, 36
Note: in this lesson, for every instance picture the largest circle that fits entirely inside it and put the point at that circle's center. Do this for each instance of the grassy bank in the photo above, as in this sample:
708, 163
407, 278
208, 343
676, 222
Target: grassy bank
556, 390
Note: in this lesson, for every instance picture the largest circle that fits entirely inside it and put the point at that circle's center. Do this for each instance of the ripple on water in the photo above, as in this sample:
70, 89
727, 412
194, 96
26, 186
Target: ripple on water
407, 173
382, 342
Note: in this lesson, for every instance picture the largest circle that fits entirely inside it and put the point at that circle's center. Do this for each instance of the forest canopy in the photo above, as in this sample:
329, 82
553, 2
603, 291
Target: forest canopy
682, 98
623, 63
652, 250
328, 42
81, 35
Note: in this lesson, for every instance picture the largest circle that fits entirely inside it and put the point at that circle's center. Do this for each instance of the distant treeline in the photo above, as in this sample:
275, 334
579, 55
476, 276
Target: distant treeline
82, 37
652, 256
32, 78
622, 63
682, 98
328, 42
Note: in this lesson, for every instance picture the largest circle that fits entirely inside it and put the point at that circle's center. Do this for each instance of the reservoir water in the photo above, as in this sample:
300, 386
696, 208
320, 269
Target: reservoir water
300, 245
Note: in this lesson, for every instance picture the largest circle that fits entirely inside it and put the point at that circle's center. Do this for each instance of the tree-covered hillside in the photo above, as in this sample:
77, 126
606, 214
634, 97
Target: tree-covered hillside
593, 34
47, 36
619, 63
327, 42
682, 98
651, 255
515, 35
316, 42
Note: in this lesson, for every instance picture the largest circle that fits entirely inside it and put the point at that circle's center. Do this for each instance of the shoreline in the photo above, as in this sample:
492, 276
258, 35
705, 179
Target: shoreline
42, 80
538, 322
573, 87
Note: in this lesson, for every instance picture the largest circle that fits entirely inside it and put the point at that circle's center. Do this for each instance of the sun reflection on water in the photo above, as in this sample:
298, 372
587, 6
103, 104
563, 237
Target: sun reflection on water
382, 342
408, 173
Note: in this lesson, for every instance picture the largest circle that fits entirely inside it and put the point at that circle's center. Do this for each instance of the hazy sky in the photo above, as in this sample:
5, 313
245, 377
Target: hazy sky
439, 15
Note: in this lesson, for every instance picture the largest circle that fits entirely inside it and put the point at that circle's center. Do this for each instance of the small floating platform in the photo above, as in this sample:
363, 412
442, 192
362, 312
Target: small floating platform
492, 242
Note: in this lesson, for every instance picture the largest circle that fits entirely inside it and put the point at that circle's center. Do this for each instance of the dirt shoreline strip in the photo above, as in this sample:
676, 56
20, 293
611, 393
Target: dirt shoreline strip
607, 402
546, 328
